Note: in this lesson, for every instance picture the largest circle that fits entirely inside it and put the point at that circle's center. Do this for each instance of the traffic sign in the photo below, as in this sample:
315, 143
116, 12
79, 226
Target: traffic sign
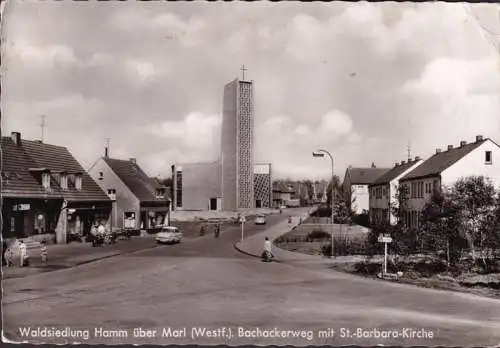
243, 220
384, 239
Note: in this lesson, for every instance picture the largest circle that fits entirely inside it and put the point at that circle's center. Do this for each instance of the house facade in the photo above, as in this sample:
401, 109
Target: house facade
444, 168
355, 187
383, 192
139, 202
46, 194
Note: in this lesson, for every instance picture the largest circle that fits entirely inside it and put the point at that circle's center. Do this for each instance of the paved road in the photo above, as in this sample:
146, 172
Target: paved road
206, 283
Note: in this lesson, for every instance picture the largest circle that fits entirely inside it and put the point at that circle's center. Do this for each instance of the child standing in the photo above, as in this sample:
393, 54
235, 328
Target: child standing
43, 251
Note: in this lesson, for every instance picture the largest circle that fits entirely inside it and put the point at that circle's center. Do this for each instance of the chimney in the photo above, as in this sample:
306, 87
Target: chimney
463, 143
16, 138
450, 147
479, 138
106, 152
397, 164
403, 162
438, 150
373, 165
417, 158
133, 161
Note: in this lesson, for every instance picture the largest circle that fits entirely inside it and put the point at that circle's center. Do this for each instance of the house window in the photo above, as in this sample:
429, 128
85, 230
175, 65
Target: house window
101, 175
160, 193
488, 157
46, 180
112, 193
78, 181
64, 182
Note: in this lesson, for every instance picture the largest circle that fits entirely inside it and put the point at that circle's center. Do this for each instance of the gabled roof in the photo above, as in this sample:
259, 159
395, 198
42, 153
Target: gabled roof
59, 159
141, 185
365, 176
436, 164
17, 181
393, 173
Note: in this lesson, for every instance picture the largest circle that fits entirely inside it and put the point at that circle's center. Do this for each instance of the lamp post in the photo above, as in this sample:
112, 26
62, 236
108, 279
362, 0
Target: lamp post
321, 153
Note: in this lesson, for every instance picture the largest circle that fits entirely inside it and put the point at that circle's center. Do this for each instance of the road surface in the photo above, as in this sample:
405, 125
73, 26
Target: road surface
205, 284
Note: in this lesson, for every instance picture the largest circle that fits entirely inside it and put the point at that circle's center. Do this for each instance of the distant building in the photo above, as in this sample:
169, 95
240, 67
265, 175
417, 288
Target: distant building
355, 186
444, 168
383, 191
139, 201
282, 194
46, 194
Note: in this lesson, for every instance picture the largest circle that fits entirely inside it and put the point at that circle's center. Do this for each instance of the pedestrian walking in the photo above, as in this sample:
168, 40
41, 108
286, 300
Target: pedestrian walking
23, 254
217, 231
43, 251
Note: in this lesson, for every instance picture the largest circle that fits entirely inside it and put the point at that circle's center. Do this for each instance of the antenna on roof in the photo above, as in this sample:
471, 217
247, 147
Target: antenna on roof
42, 126
408, 149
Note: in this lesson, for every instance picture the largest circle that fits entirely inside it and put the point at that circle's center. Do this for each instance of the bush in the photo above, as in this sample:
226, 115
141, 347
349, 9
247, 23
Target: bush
362, 220
343, 246
318, 234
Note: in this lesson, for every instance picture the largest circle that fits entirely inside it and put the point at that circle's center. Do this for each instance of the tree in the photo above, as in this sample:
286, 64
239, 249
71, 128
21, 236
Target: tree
441, 224
476, 199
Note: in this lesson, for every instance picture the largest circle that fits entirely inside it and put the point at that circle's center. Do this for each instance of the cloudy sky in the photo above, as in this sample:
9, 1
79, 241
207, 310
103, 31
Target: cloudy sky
357, 79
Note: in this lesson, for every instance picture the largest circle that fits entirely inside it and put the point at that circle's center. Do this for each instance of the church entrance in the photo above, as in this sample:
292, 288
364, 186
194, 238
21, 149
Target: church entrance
213, 203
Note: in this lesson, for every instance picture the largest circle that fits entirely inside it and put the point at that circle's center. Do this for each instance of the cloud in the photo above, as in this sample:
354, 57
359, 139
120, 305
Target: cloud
31, 55
196, 131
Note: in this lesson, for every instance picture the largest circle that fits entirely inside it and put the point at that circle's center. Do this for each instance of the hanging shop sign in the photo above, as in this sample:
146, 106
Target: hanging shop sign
21, 207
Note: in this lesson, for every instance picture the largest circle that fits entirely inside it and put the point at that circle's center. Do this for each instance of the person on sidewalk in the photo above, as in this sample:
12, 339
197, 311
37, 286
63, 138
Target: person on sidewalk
267, 254
101, 232
43, 251
23, 254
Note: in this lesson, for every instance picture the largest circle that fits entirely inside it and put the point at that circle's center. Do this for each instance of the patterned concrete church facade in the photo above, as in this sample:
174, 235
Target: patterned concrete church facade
233, 182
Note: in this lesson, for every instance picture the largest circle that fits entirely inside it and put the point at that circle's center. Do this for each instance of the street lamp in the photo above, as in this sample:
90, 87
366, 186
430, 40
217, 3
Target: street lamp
321, 153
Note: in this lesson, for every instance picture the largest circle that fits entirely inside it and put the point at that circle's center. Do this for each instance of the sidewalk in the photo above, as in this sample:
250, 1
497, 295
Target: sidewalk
70, 255
253, 246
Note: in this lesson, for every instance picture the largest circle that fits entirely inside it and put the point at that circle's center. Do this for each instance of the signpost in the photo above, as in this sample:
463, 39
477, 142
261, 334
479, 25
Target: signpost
242, 221
386, 239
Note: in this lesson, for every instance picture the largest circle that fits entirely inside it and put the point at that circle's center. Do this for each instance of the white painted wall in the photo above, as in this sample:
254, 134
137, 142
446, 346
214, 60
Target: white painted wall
360, 198
126, 201
474, 164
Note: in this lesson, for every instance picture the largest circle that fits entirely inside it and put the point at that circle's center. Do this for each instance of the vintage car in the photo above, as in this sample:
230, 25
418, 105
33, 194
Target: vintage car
260, 220
169, 235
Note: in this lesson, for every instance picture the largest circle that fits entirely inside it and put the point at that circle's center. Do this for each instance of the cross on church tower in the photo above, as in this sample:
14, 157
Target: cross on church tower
243, 68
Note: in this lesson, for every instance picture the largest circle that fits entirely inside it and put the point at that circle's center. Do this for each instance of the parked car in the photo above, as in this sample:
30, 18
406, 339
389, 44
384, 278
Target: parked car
169, 235
260, 220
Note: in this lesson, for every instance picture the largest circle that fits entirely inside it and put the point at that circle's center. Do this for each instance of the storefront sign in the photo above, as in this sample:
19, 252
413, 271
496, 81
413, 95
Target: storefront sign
21, 207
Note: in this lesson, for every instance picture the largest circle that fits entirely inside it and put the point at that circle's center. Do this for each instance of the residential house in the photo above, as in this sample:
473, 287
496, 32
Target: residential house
46, 194
139, 201
282, 193
444, 168
355, 187
383, 191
